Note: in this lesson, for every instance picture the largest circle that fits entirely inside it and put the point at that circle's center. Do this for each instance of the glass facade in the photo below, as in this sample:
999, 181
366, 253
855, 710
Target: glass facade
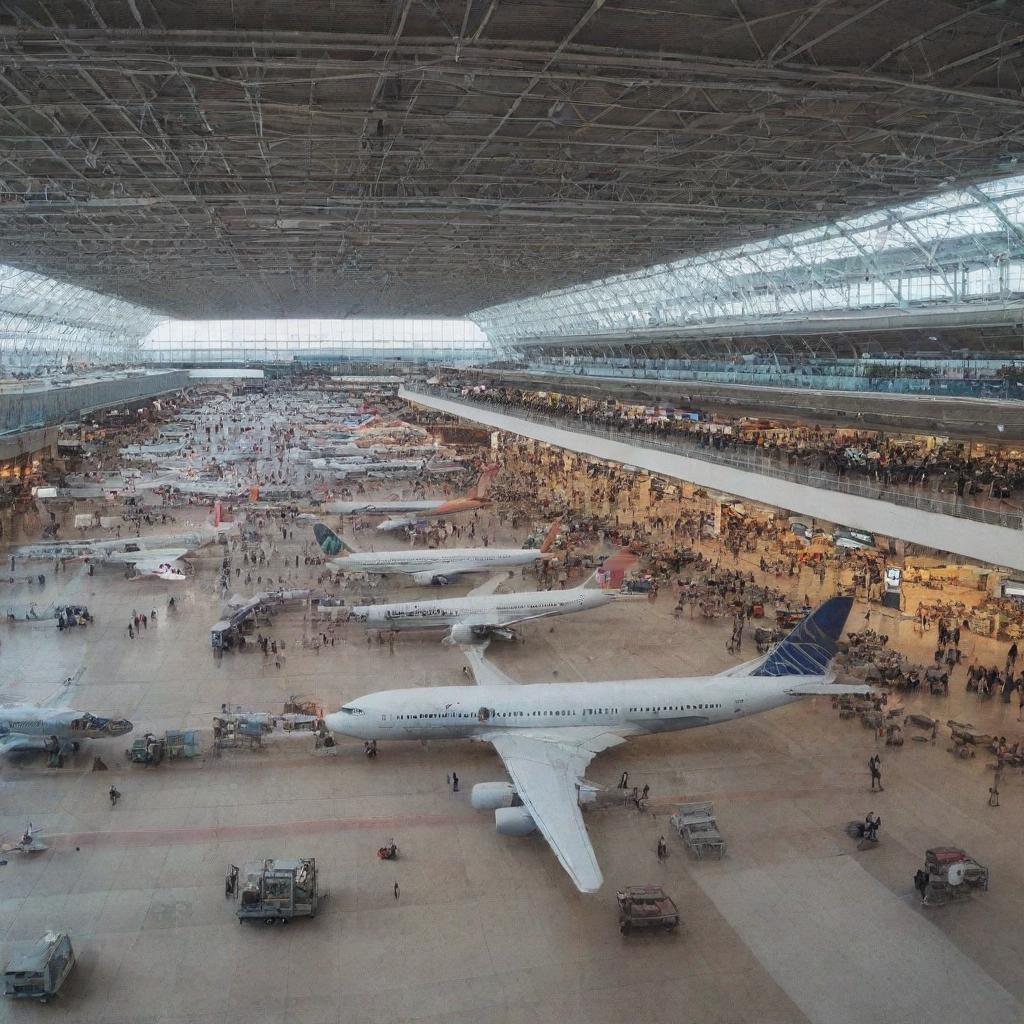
263, 341
45, 321
963, 246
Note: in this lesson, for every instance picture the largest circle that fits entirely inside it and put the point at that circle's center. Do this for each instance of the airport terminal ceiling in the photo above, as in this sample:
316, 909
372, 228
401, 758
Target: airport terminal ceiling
434, 158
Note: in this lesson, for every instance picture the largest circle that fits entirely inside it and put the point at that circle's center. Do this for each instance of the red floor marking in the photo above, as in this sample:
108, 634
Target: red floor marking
223, 833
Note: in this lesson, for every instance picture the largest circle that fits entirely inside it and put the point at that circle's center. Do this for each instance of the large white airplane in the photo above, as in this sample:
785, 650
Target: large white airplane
477, 617
548, 733
53, 727
439, 567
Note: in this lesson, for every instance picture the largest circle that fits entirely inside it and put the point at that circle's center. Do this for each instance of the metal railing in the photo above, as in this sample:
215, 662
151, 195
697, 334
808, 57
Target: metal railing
809, 379
746, 461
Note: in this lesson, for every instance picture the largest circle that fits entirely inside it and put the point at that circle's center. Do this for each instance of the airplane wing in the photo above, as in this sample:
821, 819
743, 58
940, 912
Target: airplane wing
489, 586
167, 568
13, 742
484, 673
546, 767
62, 695
148, 559
497, 620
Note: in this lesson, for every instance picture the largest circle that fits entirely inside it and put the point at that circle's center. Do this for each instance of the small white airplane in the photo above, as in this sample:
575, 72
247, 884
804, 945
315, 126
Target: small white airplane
439, 567
478, 617
547, 733
52, 727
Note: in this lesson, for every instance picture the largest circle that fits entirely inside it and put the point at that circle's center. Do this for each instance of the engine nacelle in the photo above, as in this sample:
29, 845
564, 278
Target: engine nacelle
514, 821
462, 634
436, 579
489, 796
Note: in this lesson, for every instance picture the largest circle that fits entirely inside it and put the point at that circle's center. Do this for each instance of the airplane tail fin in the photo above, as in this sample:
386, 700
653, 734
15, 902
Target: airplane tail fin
330, 543
550, 537
809, 649
483, 484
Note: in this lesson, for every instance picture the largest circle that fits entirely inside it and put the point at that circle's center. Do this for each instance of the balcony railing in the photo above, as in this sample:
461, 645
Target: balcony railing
748, 461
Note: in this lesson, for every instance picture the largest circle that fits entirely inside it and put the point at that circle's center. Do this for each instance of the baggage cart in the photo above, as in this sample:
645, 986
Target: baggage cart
646, 906
40, 973
275, 890
182, 745
698, 828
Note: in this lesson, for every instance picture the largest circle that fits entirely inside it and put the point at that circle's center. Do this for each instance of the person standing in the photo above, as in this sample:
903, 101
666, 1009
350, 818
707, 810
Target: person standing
662, 848
921, 882
875, 767
1011, 655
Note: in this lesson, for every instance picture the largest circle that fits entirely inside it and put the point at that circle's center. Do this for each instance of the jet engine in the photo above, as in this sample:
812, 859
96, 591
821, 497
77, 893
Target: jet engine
489, 796
514, 821
462, 634
436, 579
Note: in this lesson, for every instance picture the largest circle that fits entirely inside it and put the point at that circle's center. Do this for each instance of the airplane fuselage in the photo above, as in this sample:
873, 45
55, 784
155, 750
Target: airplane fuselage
624, 707
370, 508
451, 560
480, 611
97, 548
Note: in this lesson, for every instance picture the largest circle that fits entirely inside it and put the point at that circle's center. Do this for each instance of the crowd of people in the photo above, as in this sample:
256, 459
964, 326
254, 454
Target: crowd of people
952, 471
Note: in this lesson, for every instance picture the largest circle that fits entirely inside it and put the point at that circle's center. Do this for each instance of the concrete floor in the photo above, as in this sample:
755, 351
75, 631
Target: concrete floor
793, 925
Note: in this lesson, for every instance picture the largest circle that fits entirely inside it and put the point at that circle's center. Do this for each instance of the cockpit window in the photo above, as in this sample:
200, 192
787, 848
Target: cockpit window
351, 711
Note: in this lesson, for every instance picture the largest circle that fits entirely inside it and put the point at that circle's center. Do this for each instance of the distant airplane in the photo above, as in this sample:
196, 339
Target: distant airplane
145, 554
384, 468
477, 617
439, 567
425, 509
103, 547
548, 733
51, 727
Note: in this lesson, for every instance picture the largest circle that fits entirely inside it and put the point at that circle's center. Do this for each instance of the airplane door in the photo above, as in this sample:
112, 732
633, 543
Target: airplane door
387, 722
738, 706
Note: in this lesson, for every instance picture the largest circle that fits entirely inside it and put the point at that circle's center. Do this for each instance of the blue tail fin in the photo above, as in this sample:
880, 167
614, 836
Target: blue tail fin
808, 650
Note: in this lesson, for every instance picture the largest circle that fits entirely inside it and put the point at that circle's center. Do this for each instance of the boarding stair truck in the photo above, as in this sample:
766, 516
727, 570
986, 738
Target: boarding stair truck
274, 891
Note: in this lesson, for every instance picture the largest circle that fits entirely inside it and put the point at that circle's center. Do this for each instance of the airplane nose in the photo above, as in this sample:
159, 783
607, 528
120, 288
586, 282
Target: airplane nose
333, 722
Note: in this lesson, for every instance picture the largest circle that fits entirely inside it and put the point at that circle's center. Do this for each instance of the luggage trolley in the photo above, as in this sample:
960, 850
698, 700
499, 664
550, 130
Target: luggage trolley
39, 973
698, 828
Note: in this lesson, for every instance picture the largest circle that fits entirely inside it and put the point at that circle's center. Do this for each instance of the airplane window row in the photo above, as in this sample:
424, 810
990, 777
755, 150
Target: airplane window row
679, 707
503, 714
546, 714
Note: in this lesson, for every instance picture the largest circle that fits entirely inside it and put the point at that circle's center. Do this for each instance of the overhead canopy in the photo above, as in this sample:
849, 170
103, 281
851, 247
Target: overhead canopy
247, 158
